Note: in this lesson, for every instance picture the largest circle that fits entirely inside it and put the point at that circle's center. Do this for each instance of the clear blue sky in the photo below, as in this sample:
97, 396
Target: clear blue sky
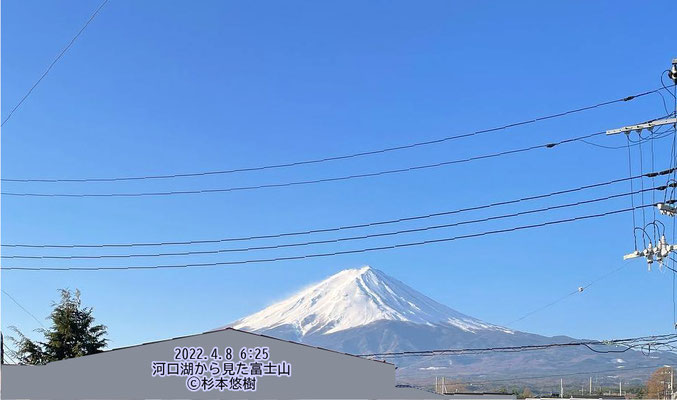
154, 87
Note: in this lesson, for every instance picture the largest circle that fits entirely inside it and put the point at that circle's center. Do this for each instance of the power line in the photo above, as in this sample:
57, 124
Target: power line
344, 227
336, 158
630, 342
559, 375
6, 353
23, 308
328, 254
337, 240
632, 198
58, 57
308, 182
552, 303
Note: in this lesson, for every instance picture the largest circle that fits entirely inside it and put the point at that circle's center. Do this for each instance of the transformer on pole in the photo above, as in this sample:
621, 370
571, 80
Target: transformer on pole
661, 250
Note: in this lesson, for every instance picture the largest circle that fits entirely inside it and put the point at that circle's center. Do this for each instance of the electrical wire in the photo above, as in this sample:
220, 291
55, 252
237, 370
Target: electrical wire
309, 182
653, 183
577, 291
336, 240
635, 341
346, 227
58, 57
665, 105
313, 181
552, 303
6, 354
618, 370
23, 308
670, 268
657, 134
632, 198
641, 171
665, 87
341, 157
327, 254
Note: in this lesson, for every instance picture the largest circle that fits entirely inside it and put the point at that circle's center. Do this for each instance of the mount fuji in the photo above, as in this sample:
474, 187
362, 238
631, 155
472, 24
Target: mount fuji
362, 311
353, 298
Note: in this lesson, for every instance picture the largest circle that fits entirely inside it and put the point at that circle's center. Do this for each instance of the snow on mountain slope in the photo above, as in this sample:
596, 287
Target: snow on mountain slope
363, 311
354, 298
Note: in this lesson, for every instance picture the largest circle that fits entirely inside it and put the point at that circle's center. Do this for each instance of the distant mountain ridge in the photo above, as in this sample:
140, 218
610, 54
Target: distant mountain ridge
362, 311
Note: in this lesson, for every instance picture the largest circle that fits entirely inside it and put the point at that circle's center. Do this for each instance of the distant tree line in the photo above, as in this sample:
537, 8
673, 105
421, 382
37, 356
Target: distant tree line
657, 387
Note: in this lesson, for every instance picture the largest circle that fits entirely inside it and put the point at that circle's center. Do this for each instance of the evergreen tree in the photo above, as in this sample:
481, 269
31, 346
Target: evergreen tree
72, 334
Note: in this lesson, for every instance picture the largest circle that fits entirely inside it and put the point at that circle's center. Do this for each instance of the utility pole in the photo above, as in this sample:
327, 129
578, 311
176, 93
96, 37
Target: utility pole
661, 250
590, 386
561, 388
620, 387
672, 74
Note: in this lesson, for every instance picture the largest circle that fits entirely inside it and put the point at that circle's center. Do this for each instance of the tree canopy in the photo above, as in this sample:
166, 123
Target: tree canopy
73, 333
657, 386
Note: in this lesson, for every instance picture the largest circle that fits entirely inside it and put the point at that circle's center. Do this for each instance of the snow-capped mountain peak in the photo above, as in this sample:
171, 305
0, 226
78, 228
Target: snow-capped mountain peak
354, 298
364, 311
